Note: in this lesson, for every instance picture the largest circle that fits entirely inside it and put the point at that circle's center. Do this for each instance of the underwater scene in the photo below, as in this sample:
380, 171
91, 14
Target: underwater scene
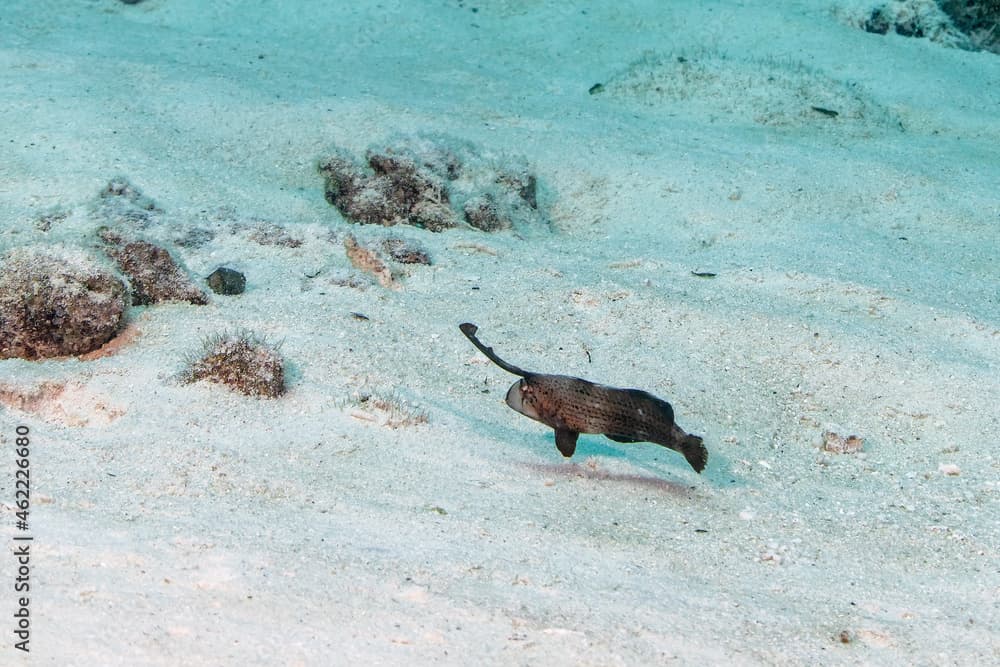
500, 332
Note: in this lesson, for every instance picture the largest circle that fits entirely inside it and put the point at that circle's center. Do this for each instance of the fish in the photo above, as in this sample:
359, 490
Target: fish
572, 405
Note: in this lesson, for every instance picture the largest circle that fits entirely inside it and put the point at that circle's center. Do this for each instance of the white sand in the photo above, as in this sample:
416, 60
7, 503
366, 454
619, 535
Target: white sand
184, 524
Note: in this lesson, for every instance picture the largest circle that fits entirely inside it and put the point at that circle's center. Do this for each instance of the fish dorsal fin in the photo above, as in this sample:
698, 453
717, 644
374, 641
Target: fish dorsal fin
566, 441
653, 404
470, 329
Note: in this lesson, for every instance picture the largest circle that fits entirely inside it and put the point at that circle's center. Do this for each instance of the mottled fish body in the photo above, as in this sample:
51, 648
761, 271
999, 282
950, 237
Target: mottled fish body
572, 406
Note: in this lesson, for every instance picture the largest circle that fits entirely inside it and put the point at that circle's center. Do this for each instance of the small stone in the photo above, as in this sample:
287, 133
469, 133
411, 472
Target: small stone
268, 233
405, 252
195, 237
483, 213
121, 187
949, 469
122, 204
226, 281
521, 183
838, 444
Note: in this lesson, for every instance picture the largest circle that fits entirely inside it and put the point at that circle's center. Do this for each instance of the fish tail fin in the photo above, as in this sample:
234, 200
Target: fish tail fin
694, 451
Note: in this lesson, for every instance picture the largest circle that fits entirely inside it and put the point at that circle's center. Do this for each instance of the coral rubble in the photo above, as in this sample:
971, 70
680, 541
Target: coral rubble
152, 272
434, 183
56, 301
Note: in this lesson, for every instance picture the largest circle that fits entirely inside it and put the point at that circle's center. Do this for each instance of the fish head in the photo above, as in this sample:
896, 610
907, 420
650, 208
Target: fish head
519, 399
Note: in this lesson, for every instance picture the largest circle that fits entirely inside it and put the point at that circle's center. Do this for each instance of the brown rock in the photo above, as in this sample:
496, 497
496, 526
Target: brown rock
55, 302
153, 273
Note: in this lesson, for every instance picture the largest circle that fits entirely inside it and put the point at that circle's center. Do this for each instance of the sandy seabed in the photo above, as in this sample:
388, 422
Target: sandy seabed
389, 508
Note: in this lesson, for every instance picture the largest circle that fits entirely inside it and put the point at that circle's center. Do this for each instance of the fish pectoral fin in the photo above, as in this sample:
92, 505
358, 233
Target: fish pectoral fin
566, 441
620, 438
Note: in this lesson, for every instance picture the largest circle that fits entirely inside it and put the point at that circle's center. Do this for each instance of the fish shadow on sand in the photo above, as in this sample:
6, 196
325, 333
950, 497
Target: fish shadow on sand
593, 469
591, 472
